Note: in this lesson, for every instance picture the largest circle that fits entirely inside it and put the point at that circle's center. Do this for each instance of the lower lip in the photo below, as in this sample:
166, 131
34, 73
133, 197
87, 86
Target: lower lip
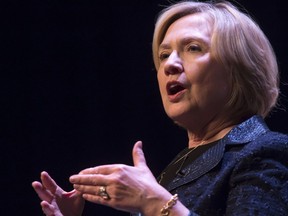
176, 97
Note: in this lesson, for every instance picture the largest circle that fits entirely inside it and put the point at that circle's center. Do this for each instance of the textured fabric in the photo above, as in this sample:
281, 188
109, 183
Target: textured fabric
246, 173
179, 164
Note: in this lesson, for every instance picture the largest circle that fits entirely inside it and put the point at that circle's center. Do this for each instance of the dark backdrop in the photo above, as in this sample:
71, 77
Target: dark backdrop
78, 88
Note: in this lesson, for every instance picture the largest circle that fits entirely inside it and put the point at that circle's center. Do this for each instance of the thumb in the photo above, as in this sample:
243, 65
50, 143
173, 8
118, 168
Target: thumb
138, 155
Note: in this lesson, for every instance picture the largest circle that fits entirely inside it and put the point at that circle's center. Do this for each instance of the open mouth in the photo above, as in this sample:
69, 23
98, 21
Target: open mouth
174, 87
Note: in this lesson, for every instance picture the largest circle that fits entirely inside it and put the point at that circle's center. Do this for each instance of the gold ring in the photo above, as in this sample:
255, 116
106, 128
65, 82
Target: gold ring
103, 193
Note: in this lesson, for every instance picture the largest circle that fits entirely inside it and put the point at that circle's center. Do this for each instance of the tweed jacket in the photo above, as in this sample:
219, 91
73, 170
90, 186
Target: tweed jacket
245, 173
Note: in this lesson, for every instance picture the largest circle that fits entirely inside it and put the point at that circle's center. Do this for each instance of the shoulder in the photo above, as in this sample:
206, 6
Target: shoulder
268, 148
267, 152
269, 142
260, 172
253, 135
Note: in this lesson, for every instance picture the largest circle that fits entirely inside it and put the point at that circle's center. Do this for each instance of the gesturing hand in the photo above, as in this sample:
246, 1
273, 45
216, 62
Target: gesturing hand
56, 201
129, 188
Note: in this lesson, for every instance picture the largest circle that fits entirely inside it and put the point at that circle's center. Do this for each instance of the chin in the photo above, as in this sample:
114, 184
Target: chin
180, 125
179, 119
185, 119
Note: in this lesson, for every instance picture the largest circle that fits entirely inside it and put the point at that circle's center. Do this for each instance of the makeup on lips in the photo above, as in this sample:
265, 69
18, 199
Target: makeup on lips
175, 90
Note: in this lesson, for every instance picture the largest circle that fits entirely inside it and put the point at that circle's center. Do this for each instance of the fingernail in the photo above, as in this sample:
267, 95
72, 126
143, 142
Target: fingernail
72, 179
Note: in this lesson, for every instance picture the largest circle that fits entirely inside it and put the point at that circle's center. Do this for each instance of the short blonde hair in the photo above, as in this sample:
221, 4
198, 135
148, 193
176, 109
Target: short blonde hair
240, 45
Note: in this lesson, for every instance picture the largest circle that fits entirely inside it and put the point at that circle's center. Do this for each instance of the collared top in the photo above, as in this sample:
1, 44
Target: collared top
244, 173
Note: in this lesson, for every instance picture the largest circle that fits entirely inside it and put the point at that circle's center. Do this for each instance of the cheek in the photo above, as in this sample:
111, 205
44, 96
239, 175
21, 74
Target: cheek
224, 82
215, 84
221, 87
161, 81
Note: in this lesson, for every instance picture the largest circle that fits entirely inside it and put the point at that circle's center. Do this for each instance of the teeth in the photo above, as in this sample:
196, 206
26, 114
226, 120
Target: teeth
175, 88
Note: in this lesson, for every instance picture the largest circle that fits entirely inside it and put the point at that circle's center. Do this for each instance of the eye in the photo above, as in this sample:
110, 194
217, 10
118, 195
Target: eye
194, 48
163, 56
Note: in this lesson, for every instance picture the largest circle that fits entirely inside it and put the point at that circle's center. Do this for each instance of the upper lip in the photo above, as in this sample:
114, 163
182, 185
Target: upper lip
173, 87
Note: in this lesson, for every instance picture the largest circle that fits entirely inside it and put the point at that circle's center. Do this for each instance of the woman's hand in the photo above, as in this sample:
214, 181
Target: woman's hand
130, 188
56, 201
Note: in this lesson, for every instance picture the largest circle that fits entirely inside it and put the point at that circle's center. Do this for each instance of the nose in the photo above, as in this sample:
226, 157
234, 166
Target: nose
173, 64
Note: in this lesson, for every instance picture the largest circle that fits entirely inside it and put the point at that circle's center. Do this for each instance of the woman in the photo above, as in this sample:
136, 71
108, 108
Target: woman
218, 79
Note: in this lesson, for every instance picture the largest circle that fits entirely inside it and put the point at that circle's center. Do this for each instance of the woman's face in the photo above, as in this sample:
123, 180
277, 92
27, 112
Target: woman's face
193, 86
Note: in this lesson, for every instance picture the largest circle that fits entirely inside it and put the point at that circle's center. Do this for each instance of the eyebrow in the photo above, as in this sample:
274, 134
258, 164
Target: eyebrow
164, 46
184, 41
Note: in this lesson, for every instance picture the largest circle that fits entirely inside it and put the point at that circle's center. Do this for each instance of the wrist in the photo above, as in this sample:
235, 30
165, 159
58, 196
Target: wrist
162, 204
174, 207
152, 205
169, 205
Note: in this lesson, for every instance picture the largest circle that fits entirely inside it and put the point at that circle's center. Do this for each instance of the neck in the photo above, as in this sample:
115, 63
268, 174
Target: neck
207, 136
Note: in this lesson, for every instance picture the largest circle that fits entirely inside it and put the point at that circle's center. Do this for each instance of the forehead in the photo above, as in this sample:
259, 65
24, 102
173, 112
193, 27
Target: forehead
193, 25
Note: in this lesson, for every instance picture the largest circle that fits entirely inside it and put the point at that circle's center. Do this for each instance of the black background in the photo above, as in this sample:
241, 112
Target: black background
78, 88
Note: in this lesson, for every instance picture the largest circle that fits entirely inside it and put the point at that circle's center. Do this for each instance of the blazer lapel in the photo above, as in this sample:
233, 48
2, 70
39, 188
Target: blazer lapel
240, 135
200, 166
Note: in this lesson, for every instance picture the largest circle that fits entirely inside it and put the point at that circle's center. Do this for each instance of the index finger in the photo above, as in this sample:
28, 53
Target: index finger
89, 179
103, 169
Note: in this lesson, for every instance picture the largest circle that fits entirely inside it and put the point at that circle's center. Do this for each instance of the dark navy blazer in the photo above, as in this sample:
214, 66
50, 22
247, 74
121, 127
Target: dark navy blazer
245, 173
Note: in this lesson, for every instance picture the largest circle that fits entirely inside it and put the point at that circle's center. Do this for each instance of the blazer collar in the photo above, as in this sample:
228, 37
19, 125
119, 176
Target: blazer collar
239, 135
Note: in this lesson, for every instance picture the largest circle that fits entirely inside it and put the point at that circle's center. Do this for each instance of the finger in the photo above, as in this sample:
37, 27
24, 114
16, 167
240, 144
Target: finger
48, 182
71, 193
104, 170
48, 209
88, 179
42, 192
93, 190
138, 155
96, 199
